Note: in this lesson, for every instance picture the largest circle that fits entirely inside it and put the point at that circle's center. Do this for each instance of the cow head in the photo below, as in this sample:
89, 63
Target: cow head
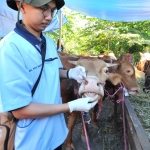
127, 71
146, 87
96, 75
143, 58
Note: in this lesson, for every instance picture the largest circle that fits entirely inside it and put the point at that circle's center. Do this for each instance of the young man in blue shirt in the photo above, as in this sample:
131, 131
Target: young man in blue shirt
41, 124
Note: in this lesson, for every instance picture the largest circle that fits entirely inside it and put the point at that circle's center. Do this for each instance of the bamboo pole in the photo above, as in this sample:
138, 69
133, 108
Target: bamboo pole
60, 29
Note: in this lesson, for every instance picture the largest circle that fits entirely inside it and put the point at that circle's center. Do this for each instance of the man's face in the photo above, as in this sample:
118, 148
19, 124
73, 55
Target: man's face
36, 19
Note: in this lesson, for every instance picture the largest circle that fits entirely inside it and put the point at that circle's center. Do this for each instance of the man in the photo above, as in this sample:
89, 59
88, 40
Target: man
41, 124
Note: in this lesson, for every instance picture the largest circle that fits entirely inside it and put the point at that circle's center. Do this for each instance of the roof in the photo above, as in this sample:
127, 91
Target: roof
113, 10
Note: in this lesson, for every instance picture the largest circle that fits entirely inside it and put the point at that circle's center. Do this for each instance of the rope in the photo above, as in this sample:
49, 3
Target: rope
124, 126
111, 96
118, 101
86, 136
83, 122
123, 116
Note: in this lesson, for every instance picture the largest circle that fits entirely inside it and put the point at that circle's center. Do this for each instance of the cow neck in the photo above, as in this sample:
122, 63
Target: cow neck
30, 37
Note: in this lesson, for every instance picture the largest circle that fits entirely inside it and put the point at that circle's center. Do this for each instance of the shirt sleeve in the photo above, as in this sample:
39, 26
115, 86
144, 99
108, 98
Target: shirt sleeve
15, 83
60, 63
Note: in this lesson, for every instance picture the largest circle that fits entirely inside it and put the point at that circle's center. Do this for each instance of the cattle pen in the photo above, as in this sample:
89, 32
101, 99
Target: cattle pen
136, 137
108, 137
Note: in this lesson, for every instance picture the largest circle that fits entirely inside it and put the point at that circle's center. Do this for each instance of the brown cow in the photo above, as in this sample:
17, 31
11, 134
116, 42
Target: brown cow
146, 87
97, 74
127, 71
129, 82
143, 58
124, 68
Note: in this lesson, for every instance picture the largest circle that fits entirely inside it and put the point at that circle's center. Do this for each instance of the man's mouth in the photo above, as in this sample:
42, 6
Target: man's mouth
45, 24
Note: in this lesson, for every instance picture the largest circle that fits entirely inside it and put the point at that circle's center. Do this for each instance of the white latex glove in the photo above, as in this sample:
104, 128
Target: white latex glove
77, 73
82, 104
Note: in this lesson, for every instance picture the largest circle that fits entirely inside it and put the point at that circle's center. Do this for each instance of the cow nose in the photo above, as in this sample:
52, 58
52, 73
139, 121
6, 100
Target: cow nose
91, 85
85, 81
143, 89
92, 81
101, 83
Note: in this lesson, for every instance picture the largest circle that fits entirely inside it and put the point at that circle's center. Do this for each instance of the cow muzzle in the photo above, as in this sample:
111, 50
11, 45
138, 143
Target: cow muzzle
146, 89
134, 91
91, 87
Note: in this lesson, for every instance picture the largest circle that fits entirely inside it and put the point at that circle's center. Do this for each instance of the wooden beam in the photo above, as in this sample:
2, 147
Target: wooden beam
136, 136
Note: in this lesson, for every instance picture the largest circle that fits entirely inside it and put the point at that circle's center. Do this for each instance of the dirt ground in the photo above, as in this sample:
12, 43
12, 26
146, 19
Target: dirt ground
106, 137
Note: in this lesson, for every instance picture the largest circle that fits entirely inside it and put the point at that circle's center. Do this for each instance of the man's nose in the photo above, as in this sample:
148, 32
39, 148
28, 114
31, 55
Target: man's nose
49, 17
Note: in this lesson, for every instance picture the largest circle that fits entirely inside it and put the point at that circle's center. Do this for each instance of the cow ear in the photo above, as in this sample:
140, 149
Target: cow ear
141, 54
121, 57
110, 65
114, 78
72, 62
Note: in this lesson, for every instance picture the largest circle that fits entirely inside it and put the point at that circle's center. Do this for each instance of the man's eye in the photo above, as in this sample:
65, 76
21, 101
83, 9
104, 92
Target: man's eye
53, 10
44, 8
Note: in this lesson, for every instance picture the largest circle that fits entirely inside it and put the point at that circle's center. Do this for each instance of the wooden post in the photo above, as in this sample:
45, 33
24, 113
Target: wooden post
60, 28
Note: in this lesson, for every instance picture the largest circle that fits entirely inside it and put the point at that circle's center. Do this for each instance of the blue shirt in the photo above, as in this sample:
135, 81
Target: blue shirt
20, 65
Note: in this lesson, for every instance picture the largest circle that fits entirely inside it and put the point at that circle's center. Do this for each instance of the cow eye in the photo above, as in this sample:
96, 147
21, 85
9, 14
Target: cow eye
128, 71
106, 71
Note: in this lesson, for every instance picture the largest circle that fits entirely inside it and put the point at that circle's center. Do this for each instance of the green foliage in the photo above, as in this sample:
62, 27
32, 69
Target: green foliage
83, 34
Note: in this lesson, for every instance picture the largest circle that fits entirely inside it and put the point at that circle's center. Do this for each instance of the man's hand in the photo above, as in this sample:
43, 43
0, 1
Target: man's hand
82, 104
78, 73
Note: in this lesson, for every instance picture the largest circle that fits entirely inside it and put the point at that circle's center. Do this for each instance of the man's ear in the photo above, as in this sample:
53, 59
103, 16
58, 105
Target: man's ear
22, 8
17, 3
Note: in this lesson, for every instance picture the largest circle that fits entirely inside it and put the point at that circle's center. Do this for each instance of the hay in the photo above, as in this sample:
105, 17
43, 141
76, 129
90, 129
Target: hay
141, 105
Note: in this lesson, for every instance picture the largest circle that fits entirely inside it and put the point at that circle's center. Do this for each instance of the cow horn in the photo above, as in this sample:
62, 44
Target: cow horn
110, 65
72, 62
